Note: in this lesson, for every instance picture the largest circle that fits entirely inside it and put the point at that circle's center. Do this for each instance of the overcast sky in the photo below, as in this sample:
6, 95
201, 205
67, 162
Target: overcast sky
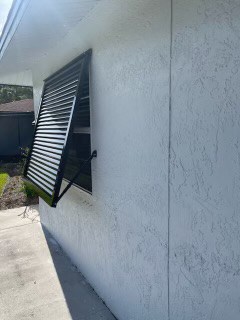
4, 9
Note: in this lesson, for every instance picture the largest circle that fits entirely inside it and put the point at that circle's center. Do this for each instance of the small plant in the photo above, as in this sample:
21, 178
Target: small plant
28, 190
24, 154
4, 177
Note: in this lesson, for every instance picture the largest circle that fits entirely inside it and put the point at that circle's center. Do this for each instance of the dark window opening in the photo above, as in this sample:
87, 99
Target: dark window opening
80, 140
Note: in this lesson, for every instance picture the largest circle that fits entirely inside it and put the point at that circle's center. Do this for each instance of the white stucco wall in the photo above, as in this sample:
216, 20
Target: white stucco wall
118, 237
205, 166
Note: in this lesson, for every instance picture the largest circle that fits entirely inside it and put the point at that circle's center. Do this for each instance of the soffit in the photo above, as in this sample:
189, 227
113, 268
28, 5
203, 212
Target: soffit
43, 25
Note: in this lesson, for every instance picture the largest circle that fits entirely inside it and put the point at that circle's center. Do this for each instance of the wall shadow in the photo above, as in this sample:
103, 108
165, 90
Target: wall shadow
82, 301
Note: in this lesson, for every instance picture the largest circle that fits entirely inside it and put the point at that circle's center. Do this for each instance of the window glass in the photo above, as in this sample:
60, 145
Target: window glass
80, 140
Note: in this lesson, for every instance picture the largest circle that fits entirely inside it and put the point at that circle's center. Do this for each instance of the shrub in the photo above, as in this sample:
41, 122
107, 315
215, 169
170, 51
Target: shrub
29, 190
3, 181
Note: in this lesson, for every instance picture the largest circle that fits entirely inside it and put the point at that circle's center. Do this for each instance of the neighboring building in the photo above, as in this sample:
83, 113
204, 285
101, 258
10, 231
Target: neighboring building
16, 128
20, 106
156, 230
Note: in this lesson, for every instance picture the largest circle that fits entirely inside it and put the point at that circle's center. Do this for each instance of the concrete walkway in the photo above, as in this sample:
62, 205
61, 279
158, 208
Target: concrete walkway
37, 281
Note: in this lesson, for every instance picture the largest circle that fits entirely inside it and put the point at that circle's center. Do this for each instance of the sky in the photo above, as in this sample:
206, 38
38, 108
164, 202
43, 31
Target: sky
5, 6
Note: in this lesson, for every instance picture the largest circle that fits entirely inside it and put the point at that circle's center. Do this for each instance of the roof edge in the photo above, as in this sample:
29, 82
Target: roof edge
14, 17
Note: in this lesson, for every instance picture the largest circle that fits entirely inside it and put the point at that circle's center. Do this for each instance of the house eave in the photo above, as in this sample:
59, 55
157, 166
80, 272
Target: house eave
13, 20
31, 32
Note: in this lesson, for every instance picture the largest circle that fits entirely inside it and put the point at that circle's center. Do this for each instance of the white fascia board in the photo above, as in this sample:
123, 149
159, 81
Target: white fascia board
14, 17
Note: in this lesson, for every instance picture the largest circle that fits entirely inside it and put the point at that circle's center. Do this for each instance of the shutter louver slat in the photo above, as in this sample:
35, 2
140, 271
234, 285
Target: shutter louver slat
54, 151
39, 159
57, 113
41, 182
49, 154
45, 163
58, 118
41, 156
50, 140
50, 172
55, 110
50, 145
66, 95
51, 131
64, 123
67, 103
49, 104
42, 175
50, 135
58, 126
64, 88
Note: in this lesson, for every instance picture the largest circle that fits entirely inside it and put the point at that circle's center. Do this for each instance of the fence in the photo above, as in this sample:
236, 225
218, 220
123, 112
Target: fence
16, 131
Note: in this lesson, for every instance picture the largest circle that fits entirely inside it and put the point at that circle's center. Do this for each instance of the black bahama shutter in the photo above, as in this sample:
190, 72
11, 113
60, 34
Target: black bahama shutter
46, 161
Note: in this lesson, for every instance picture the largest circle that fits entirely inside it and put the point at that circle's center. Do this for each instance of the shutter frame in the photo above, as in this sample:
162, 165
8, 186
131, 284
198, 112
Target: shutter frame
51, 200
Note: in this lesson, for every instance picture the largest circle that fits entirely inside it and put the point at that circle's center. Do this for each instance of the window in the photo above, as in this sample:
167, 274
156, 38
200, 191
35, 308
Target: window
62, 141
80, 140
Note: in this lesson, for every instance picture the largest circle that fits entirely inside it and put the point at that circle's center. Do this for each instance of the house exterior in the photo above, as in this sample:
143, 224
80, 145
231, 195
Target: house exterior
158, 236
16, 128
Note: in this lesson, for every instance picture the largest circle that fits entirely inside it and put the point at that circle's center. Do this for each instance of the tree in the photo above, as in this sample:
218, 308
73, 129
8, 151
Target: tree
13, 93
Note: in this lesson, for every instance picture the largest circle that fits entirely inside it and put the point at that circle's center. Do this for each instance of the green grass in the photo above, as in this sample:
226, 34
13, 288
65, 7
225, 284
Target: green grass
3, 181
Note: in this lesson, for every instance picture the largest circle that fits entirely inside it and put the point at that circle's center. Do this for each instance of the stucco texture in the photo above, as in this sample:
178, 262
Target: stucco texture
118, 236
158, 243
205, 162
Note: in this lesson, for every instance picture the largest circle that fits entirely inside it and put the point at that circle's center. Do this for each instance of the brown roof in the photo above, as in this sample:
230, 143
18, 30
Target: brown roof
17, 106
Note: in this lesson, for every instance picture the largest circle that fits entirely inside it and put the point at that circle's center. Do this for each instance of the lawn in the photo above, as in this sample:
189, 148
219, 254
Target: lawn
4, 177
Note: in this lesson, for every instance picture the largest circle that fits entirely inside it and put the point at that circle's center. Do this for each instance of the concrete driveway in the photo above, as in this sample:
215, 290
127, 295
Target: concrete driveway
37, 281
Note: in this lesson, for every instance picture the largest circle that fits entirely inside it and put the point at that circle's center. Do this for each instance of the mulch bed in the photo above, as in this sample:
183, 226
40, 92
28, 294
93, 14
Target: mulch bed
13, 195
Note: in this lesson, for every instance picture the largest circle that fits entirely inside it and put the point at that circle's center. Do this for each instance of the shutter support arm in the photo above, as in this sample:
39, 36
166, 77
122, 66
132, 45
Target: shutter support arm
93, 155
